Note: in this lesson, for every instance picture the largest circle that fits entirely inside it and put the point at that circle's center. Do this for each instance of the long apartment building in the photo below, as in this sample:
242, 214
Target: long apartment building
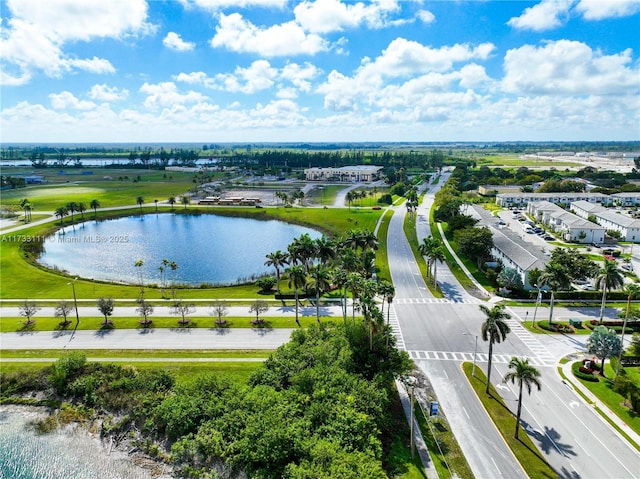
571, 226
354, 174
609, 219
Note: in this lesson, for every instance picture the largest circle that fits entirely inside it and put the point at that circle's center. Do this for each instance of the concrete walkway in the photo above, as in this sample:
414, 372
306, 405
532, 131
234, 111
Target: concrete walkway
613, 417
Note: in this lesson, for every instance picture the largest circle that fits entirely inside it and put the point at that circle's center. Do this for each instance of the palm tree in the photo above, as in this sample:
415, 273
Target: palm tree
325, 249
172, 201
427, 247
25, 204
494, 330
524, 374
320, 277
139, 264
185, 201
633, 291
339, 278
140, 201
437, 255
609, 278
173, 266
297, 279
61, 212
385, 289
95, 204
81, 208
354, 283
556, 277
72, 207
349, 197
277, 259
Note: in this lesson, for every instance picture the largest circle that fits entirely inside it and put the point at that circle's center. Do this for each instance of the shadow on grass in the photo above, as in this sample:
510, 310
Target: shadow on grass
27, 327
105, 329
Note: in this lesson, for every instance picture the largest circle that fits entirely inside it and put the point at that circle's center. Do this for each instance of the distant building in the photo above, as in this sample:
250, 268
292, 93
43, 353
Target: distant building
507, 200
515, 253
609, 219
493, 190
572, 227
354, 174
34, 180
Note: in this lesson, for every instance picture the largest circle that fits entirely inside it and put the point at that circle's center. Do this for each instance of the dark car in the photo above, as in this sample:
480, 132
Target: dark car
548, 238
595, 245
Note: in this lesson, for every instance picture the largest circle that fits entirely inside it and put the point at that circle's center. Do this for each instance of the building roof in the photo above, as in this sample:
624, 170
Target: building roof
518, 251
618, 219
588, 207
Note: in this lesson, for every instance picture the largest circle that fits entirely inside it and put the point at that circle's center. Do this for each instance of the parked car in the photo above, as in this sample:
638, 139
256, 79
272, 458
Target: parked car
502, 223
609, 257
548, 238
595, 245
530, 231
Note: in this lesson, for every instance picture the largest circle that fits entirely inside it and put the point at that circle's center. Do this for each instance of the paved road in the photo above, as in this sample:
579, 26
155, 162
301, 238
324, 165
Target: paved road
439, 334
153, 338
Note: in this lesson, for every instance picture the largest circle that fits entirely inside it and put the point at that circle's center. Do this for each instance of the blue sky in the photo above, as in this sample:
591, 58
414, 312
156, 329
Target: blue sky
319, 70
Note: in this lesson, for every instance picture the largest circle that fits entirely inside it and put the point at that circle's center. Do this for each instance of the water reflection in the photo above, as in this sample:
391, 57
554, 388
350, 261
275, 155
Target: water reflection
206, 248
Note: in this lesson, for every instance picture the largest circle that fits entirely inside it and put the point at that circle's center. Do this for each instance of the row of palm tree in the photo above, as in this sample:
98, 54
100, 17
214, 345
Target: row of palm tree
495, 330
73, 207
346, 264
433, 249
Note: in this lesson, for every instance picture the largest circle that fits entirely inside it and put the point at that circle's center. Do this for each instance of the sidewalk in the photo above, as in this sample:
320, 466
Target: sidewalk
596, 403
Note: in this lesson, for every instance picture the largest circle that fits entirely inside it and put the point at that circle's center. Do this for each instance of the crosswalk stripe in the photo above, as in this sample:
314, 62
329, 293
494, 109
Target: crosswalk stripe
480, 357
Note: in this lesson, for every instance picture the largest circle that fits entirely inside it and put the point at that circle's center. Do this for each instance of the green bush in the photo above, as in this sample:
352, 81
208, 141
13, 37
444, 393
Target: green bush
65, 369
575, 369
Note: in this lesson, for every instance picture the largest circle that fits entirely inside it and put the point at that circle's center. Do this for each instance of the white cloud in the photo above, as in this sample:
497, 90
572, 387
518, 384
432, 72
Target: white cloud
566, 67
107, 93
543, 16
600, 9
300, 76
238, 35
258, 76
426, 16
215, 5
67, 100
173, 41
166, 95
325, 16
33, 36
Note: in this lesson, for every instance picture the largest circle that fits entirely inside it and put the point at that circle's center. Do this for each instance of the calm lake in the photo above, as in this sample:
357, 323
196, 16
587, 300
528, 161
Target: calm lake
207, 248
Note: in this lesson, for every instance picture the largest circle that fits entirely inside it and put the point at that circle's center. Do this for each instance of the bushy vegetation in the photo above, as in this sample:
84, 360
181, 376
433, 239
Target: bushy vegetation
318, 408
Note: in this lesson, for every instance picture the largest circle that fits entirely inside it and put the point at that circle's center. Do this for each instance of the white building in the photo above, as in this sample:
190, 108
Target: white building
357, 173
610, 219
627, 199
508, 200
570, 226
514, 253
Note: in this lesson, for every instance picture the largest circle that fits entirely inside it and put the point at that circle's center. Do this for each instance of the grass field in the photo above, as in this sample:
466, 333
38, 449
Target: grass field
21, 279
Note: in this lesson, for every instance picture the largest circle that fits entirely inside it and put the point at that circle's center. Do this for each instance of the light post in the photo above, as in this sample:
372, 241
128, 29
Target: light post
75, 301
538, 300
475, 353
410, 383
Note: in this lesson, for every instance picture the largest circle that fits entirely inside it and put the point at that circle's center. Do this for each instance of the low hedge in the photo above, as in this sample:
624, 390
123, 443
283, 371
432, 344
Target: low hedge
576, 370
632, 326
556, 327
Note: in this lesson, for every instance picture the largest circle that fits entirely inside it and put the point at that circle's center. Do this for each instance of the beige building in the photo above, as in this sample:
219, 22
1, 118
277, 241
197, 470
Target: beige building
354, 174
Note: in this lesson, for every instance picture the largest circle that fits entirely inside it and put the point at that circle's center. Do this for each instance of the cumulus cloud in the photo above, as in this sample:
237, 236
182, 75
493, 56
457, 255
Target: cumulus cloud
166, 94
35, 33
107, 93
543, 16
600, 9
566, 67
426, 16
258, 76
325, 16
215, 5
67, 100
300, 76
173, 41
239, 35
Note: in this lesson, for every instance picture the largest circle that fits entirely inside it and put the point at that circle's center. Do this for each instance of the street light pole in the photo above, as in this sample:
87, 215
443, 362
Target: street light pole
75, 301
538, 299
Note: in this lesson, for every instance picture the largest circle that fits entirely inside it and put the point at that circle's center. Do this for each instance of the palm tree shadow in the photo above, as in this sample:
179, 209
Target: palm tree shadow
548, 441
62, 332
146, 330
263, 330
287, 309
181, 330
104, 331
565, 474
449, 291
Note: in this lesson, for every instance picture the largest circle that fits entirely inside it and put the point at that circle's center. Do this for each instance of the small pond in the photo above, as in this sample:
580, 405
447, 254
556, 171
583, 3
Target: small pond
206, 248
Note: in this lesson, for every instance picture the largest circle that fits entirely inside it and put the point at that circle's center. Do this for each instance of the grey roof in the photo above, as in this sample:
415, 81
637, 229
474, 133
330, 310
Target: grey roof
618, 219
588, 207
518, 251
542, 196
629, 194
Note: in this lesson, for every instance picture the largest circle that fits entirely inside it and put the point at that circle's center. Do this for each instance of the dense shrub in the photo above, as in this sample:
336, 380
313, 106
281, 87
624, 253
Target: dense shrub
577, 368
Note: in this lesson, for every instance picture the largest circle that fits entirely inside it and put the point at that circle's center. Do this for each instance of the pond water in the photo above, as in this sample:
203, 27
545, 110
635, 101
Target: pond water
206, 248
70, 452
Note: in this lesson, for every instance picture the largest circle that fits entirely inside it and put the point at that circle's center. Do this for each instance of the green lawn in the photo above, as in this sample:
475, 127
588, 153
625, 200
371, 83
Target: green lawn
21, 279
8, 325
136, 354
523, 448
604, 392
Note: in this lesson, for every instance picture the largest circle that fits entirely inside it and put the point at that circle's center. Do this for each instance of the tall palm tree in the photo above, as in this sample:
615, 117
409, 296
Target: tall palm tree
385, 289
94, 205
81, 208
556, 277
339, 278
426, 248
368, 242
297, 279
302, 250
437, 255
633, 291
609, 278
524, 374
325, 249
354, 283
61, 212
320, 277
171, 201
72, 207
185, 201
173, 266
349, 197
494, 330
139, 264
277, 259
140, 201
